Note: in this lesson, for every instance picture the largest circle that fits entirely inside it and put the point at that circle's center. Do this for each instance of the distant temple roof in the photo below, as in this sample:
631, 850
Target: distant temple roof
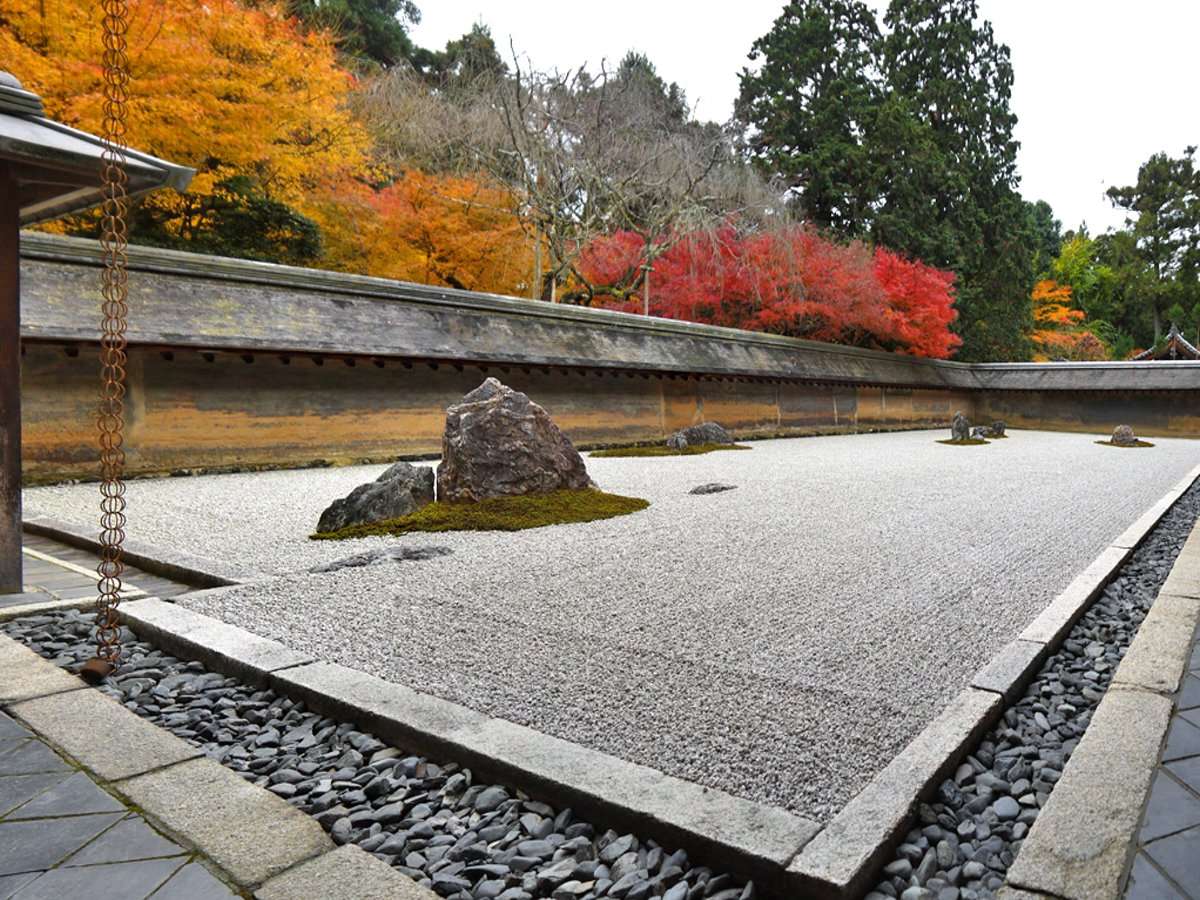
1176, 347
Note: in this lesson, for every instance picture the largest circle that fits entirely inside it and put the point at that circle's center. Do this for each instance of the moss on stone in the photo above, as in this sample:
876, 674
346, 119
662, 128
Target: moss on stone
664, 450
1139, 443
499, 514
966, 442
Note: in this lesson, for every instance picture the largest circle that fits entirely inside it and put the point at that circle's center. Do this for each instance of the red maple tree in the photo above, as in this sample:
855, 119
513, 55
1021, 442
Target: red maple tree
793, 282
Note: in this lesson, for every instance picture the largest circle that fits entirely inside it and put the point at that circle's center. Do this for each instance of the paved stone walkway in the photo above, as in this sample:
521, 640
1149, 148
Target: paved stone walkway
1167, 863
62, 837
56, 571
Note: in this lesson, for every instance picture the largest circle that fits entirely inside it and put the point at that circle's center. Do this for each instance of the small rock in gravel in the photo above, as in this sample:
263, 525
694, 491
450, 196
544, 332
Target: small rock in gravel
713, 487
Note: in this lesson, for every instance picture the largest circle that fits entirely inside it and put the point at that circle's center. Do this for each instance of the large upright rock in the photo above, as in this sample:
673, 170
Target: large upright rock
402, 489
499, 443
960, 428
1123, 436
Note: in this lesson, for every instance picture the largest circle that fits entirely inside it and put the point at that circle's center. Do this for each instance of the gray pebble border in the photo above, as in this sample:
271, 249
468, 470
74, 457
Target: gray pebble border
968, 835
465, 841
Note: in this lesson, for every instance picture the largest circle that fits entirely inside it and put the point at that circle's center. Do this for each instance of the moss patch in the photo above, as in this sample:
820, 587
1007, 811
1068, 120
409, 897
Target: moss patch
966, 442
1140, 443
664, 450
499, 514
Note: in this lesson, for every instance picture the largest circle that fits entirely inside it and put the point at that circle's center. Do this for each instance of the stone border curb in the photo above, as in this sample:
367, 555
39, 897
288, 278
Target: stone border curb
246, 830
329, 876
24, 675
50, 604
251, 834
183, 567
842, 861
753, 839
102, 735
1081, 845
224, 648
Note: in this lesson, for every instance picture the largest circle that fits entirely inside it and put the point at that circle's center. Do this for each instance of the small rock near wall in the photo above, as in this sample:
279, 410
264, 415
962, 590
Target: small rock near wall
704, 433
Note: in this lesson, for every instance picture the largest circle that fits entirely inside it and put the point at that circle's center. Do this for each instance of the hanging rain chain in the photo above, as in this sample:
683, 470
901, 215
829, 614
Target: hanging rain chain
114, 231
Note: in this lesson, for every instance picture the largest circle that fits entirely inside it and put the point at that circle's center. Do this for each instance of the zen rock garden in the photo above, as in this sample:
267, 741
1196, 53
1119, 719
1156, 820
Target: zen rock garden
417, 579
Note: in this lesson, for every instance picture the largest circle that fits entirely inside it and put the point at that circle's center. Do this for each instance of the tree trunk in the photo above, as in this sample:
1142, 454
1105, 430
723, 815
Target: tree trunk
535, 287
646, 292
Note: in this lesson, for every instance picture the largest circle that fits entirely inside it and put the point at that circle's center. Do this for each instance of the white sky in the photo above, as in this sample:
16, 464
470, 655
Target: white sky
1100, 84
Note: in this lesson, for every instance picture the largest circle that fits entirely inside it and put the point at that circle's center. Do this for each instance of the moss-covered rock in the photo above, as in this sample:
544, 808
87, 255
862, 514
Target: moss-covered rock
660, 450
500, 514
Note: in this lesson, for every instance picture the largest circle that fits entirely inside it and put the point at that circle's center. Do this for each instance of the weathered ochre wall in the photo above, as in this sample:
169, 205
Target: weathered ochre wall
196, 411
1162, 413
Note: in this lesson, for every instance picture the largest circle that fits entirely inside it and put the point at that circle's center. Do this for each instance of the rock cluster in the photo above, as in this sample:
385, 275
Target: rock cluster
463, 839
960, 427
1123, 436
968, 835
499, 443
402, 489
704, 433
995, 430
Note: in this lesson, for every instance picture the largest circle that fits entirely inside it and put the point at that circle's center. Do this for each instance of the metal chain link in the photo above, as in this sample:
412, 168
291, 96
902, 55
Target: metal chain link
114, 232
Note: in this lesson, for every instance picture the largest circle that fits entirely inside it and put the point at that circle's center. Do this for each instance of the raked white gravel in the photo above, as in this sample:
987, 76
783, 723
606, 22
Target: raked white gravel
781, 641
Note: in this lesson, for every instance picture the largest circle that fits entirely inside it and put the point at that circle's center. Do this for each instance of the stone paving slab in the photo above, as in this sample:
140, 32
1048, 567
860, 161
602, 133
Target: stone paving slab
24, 674
1158, 657
327, 878
102, 735
1167, 864
247, 831
110, 881
62, 836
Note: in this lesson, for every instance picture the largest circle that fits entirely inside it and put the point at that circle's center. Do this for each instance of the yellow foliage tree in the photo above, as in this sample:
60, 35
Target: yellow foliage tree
256, 105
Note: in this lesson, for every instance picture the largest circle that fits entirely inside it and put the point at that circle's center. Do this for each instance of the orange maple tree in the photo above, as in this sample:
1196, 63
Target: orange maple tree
434, 229
1059, 331
230, 90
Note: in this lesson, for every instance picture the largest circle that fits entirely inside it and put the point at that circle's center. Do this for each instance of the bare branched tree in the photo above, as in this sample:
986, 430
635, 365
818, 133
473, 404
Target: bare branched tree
581, 156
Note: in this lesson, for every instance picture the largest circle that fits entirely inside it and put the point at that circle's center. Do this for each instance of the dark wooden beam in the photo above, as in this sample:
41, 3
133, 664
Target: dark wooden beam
10, 384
